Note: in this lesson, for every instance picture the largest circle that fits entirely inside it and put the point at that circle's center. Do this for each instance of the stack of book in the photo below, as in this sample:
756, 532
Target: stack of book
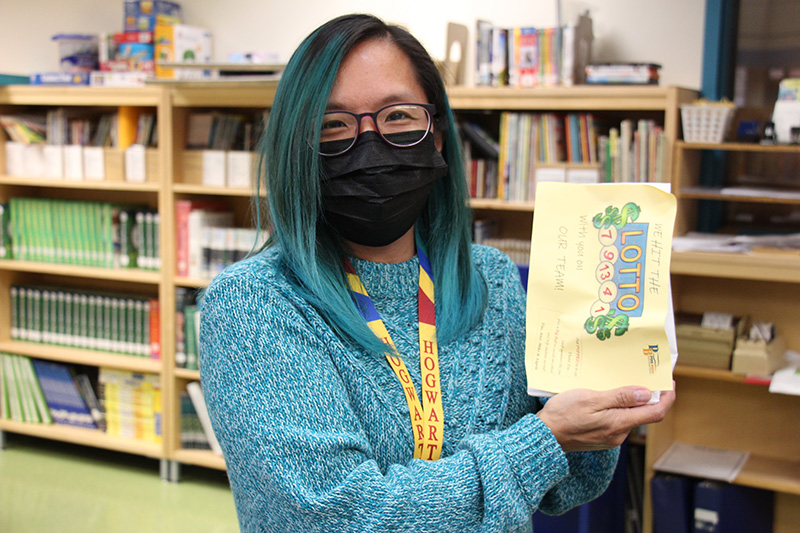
132, 404
116, 323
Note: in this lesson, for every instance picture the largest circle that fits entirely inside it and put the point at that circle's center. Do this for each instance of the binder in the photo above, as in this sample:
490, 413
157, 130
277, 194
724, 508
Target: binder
725, 508
673, 503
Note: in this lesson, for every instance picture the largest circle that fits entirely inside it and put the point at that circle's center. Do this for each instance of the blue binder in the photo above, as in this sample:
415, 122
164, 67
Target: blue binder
673, 503
724, 508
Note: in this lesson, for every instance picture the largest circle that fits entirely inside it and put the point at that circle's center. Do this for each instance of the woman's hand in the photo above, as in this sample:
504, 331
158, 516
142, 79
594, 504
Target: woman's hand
586, 420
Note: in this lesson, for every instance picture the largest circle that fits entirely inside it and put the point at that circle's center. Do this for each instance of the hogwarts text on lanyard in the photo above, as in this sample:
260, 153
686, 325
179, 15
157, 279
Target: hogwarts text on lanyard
427, 422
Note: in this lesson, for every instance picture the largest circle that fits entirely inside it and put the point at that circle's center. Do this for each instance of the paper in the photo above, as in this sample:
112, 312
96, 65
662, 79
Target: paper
599, 302
786, 381
701, 462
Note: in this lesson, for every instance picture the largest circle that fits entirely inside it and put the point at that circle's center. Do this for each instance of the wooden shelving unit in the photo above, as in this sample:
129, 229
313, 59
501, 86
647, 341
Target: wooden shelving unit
714, 408
718, 408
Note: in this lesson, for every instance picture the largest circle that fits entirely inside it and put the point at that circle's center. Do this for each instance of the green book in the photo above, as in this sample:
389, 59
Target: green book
71, 324
127, 250
15, 312
27, 406
47, 316
38, 319
34, 224
14, 401
107, 333
156, 241
93, 338
5, 412
115, 322
191, 337
141, 236
13, 213
43, 411
149, 244
6, 249
130, 327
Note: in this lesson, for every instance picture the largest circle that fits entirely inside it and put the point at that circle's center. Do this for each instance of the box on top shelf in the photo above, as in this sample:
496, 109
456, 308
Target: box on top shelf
77, 52
180, 43
144, 15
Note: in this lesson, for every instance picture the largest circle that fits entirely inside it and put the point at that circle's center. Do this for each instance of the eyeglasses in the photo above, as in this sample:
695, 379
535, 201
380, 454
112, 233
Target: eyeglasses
400, 125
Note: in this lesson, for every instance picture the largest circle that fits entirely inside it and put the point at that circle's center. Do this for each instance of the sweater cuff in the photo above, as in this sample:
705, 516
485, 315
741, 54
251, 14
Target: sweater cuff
535, 456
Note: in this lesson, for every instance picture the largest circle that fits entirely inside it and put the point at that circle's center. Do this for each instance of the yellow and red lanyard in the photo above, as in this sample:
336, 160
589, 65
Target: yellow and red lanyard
428, 421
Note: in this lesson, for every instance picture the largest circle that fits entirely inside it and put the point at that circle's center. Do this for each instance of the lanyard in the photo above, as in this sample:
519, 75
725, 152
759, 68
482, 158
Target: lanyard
428, 421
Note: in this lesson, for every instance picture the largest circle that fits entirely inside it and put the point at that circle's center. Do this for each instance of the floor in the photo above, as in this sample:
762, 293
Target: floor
54, 487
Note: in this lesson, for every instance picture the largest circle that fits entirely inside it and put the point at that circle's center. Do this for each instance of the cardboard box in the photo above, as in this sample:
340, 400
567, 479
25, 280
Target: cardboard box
179, 43
758, 357
143, 15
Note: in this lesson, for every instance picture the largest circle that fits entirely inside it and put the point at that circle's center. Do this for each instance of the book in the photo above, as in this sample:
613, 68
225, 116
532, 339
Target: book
132, 404
65, 402
198, 400
90, 397
60, 78
599, 312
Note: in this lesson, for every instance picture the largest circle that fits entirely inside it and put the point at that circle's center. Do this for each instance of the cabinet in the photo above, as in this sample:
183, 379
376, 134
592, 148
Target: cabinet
717, 408
173, 104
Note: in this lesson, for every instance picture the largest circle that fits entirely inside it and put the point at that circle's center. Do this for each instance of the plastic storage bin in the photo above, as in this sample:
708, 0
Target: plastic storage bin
706, 122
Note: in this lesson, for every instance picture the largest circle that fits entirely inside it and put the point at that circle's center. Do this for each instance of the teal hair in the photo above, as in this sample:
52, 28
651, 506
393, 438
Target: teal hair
310, 250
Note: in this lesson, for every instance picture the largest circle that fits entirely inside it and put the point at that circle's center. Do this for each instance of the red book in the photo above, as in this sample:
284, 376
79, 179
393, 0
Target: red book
155, 330
182, 210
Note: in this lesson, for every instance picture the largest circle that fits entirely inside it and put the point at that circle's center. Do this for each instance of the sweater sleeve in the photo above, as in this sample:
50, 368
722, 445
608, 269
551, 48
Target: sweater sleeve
296, 452
589, 472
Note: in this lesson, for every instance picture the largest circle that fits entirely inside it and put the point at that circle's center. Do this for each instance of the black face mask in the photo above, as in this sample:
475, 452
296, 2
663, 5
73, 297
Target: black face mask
374, 193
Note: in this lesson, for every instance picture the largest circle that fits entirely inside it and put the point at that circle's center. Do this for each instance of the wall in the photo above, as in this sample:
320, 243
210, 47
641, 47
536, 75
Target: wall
669, 32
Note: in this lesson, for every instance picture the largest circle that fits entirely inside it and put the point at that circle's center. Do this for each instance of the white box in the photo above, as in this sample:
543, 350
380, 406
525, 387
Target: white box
214, 168
54, 161
15, 158
583, 175
33, 162
135, 164
94, 163
73, 162
240, 169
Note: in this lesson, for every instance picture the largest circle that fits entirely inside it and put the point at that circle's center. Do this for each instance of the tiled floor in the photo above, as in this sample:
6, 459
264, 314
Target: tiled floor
55, 487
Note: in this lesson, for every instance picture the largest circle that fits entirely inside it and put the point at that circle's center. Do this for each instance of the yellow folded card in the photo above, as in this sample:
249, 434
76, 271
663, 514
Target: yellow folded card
599, 310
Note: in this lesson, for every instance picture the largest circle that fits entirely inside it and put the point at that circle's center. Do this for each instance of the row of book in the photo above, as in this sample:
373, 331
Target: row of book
636, 151
117, 323
100, 234
533, 57
215, 130
207, 242
533, 147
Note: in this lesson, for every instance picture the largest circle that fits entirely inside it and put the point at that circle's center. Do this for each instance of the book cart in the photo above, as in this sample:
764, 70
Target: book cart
740, 283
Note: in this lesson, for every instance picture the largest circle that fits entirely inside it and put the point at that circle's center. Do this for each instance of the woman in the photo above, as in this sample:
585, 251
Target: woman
343, 398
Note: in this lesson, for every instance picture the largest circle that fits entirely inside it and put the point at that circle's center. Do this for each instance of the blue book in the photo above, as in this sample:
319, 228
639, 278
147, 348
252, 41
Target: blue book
64, 399
60, 78
725, 508
673, 503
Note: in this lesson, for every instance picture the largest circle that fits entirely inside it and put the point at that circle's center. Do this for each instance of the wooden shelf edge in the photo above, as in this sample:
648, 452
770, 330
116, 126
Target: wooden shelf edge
771, 474
500, 205
84, 357
85, 437
183, 373
754, 266
106, 185
192, 188
76, 271
707, 373
203, 458
739, 147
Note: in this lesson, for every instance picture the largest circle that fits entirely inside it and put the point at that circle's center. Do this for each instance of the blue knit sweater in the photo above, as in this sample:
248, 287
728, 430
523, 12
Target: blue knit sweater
317, 436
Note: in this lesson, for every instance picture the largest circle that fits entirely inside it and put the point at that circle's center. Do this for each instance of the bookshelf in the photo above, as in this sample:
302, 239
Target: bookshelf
173, 103
717, 408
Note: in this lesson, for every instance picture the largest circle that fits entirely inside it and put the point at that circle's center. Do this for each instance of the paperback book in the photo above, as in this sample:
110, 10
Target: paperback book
599, 312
